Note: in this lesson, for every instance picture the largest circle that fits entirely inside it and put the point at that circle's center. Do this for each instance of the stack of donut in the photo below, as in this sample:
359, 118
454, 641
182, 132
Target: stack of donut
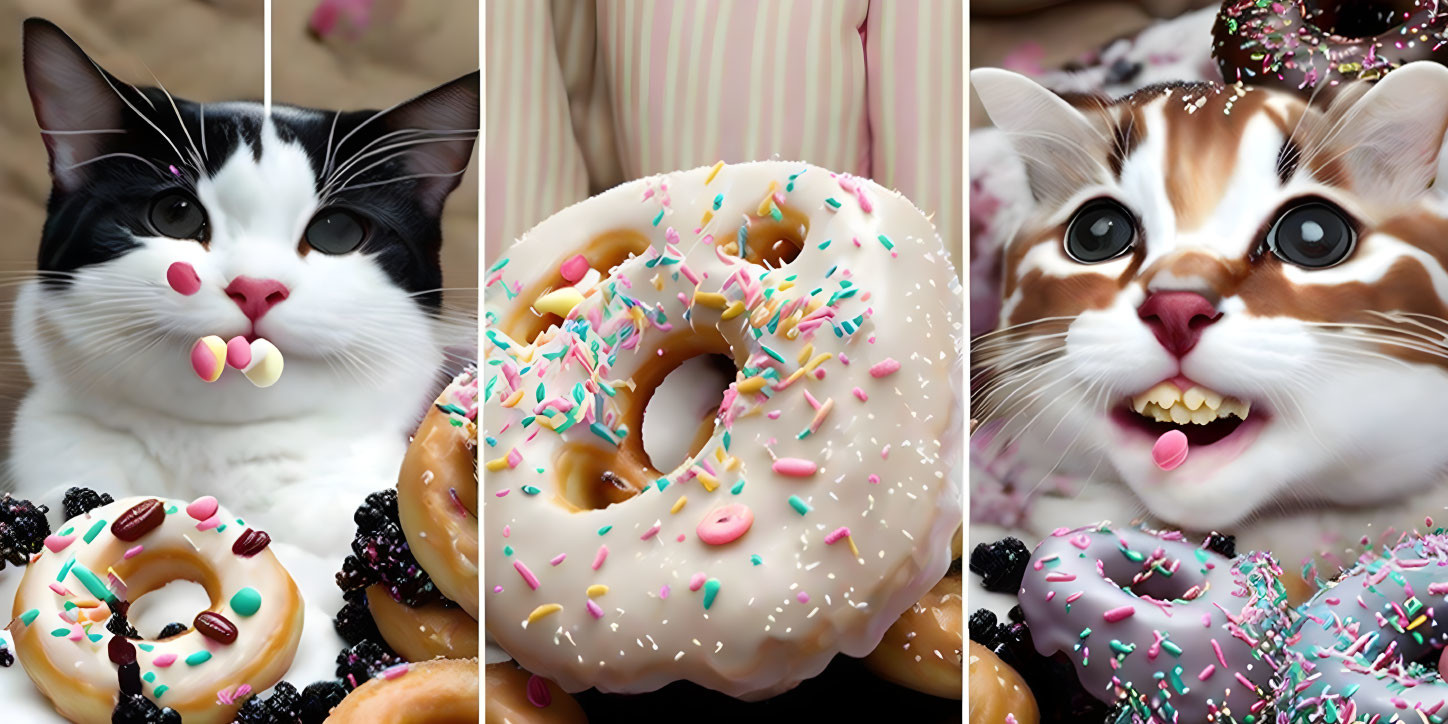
816, 506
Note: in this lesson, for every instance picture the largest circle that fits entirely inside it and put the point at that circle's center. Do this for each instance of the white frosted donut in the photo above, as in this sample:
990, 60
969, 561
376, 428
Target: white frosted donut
822, 505
119, 552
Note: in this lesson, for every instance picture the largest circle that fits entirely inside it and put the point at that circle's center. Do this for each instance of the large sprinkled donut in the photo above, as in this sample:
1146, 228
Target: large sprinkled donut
822, 504
96, 563
1176, 631
1316, 45
444, 691
1357, 652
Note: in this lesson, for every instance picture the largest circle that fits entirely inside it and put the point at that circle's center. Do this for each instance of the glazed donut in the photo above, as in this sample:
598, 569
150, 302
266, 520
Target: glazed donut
516, 697
1366, 648
1313, 46
437, 493
922, 650
443, 691
96, 563
822, 505
997, 692
421, 633
1177, 632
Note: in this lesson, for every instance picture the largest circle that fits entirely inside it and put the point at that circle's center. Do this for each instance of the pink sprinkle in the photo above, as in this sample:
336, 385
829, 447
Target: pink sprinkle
598, 559
844, 359
680, 538
133, 552
1218, 648
538, 694
874, 478
57, 543
802, 597
664, 592
501, 493
164, 660
507, 530
887, 366
1207, 672
59, 589
212, 522
76, 634
1117, 614
202, 508
859, 393
1057, 577
1244, 681
774, 414
594, 609
574, 269
1081, 541
393, 672
651, 532
885, 453
558, 558
795, 467
1073, 597
241, 691
835, 535
514, 457
696, 582
497, 589
527, 575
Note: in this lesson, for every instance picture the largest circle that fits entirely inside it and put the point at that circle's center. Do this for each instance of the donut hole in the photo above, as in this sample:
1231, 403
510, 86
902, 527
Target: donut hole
1358, 19
166, 585
591, 479
679, 417
771, 242
176, 602
1182, 585
603, 253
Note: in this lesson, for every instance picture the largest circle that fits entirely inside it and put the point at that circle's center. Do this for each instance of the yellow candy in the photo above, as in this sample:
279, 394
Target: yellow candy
266, 364
208, 358
559, 301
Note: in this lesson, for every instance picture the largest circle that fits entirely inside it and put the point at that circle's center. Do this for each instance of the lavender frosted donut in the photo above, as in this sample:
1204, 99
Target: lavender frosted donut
1358, 647
1180, 633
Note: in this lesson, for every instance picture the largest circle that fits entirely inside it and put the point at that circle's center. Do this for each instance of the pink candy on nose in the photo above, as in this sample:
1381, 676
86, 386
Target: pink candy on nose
1170, 450
725, 524
183, 278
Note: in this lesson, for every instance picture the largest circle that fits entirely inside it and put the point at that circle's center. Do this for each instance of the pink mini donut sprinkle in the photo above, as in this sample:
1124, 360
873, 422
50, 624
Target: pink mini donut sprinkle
725, 524
202, 508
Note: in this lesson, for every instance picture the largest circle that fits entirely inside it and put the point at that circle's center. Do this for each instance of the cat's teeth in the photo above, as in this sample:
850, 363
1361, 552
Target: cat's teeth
1203, 415
1198, 405
1180, 414
1198, 396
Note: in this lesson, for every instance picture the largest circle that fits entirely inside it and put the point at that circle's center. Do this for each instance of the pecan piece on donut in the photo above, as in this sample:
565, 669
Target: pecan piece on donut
140, 519
214, 626
251, 543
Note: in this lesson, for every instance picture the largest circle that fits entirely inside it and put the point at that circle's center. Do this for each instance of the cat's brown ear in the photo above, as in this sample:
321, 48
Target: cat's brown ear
76, 102
438, 129
1386, 141
1063, 150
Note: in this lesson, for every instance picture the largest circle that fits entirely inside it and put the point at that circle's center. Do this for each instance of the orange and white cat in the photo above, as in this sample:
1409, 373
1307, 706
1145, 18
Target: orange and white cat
1267, 275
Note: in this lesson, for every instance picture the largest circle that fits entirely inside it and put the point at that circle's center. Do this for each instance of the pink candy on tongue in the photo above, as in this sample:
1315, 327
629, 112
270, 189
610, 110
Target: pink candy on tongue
1170, 450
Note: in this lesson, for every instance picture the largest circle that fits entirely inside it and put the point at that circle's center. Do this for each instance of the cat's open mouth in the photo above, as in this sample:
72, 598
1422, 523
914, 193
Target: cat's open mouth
1205, 416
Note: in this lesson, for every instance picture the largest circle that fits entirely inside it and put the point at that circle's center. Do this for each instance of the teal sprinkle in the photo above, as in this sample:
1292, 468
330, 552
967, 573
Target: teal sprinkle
802, 434
1123, 649
28, 617
162, 689
1085, 632
1176, 679
146, 647
718, 201
94, 531
198, 658
67, 531
540, 393
60, 633
1172, 648
755, 559
799, 505
507, 550
771, 353
529, 420
743, 239
93, 583
65, 569
598, 429
774, 212
69, 605
605, 529
726, 441
711, 589
889, 245
831, 272
659, 218
501, 263
95, 638
662, 483
738, 488
833, 204
149, 677
530, 490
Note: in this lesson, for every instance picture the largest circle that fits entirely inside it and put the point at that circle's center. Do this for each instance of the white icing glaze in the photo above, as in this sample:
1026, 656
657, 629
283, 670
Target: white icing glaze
893, 296
265, 644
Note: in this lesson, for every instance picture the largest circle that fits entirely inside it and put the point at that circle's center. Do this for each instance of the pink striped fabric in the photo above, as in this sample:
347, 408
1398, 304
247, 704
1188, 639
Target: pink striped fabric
872, 87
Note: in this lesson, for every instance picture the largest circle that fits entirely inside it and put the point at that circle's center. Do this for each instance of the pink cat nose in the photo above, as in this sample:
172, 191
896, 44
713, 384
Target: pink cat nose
1177, 319
256, 296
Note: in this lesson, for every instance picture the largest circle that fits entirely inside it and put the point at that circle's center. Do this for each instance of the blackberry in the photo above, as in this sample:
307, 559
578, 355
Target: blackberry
364, 660
137, 709
1001, 565
254, 711
319, 699
174, 628
1016, 615
982, 627
7, 659
1223, 544
23, 529
79, 501
119, 625
380, 553
285, 704
354, 623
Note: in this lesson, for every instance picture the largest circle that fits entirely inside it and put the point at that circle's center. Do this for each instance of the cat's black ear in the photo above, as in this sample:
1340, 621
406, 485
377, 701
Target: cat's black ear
1061, 147
76, 102
448, 117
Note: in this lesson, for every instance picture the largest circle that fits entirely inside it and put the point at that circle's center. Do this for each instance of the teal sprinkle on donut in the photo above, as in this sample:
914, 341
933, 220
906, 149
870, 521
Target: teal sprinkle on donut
221, 528
711, 589
832, 203
246, 601
65, 569
507, 550
95, 638
1123, 649
501, 263
60, 633
149, 677
718, 201
171, 510
1085, 632
66, 532
743, 239
146, 647
755, 559
93, 583
160, 690
662, 483
198, 658
885, 240
738, 488
1171, 648
530, 490
798, 504
69, 605
94, 531
28, 617
726, 441
605, 529
659, 218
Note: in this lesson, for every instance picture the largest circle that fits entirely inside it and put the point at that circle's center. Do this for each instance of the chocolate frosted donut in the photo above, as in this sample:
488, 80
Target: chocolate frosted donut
1315, 45
1173, 631
1366, 648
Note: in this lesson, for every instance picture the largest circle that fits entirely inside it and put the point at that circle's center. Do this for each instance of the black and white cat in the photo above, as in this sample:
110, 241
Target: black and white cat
318, 230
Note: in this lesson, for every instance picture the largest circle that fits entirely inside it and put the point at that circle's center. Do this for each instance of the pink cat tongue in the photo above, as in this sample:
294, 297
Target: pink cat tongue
1170, 450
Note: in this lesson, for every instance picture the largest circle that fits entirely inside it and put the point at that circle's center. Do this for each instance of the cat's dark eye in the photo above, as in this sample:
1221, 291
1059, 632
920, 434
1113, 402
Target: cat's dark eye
178, 215
1312, 235
336, 231
1100, 231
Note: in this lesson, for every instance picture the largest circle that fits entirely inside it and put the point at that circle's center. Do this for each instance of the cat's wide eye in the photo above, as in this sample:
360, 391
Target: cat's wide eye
336, 231
1101, 230
1313, 235
178, 215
